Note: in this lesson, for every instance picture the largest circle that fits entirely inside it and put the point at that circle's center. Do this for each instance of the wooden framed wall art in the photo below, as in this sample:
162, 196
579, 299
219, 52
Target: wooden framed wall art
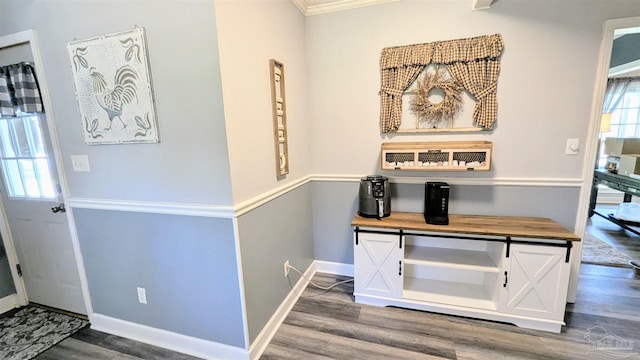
279, 110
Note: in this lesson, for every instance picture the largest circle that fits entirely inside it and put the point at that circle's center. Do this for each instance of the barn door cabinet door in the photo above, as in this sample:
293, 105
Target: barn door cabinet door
535, 282
378, 264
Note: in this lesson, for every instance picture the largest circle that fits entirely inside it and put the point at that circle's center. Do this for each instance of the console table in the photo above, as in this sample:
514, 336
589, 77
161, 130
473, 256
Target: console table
500, 268
628, 185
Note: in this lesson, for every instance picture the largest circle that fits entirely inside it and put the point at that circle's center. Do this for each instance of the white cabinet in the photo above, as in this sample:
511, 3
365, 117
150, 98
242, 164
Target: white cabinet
378, 264
470, 267
535, 281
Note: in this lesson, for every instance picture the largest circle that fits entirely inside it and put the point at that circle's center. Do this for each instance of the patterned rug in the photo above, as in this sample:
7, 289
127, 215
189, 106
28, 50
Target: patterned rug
596, 251
33, 330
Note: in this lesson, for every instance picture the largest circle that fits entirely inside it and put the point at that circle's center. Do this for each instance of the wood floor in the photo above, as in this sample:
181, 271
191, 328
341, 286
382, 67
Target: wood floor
325, 325
329, 325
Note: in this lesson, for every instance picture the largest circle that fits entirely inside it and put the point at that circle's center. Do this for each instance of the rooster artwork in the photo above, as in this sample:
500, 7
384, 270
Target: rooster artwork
112, 100
113, 88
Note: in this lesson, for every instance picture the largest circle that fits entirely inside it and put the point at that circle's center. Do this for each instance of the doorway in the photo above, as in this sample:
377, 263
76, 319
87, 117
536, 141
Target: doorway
584, 224
38, 234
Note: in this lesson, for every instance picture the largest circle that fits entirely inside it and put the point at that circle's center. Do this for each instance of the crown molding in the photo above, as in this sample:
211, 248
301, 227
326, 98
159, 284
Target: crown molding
338, 5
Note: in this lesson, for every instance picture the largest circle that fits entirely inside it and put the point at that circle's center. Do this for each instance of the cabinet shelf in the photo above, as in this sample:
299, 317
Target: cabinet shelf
450, 258
448, 292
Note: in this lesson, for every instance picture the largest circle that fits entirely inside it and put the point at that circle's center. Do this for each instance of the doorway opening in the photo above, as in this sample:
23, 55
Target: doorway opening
38, 236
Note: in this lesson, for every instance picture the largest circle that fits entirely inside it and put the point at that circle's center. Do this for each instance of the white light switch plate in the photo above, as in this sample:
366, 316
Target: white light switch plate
80, 163
573, 147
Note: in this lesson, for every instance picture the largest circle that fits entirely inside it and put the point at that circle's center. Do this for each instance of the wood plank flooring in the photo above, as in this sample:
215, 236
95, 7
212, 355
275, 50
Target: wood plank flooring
330, 325
95, 345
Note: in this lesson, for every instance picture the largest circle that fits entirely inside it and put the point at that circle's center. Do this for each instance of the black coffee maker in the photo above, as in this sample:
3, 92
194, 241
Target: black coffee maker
436, 203
375, 197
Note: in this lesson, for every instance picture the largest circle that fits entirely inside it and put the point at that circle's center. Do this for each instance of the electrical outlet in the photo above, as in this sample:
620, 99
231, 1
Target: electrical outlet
286, 268
142, 295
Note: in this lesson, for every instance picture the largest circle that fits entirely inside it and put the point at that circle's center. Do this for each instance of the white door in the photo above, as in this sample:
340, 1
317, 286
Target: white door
378, 265
29, 191
536, 281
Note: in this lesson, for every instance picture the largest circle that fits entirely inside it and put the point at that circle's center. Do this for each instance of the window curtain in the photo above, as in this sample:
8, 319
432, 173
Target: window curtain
473, 61
19, 90
614, 93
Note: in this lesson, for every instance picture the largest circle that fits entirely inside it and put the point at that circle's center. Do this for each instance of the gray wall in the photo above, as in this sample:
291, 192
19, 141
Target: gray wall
335, 204
186, 264
190, 164
275, 232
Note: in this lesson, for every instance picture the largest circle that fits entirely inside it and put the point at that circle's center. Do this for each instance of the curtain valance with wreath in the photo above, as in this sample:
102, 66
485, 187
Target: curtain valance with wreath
475, 62
19, 89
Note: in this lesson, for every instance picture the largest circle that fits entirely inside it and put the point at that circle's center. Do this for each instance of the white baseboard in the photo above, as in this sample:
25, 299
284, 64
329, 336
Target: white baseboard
8, 303
166, 339
328, 267
264, 338
209, 349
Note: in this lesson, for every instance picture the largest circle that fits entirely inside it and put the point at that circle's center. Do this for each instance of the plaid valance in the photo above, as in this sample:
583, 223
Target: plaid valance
19, 89
475, 62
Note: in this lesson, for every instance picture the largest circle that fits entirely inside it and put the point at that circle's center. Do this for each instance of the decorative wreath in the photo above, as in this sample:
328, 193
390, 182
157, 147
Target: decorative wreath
431, 113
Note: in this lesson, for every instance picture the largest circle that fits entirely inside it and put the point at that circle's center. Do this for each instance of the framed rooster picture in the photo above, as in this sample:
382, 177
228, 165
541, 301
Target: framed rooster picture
113, 88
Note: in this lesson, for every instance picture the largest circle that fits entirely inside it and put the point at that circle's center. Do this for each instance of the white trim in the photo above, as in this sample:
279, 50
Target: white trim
335, 5
58, 159
328, 267
9, 302
606, 46
166, 339
151, 207
624, 68
228, 212
269, 330
209, 349
498, 181
257, 201
243, 297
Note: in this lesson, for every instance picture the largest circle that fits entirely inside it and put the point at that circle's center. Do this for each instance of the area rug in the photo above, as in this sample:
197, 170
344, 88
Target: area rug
596, 251
33, 330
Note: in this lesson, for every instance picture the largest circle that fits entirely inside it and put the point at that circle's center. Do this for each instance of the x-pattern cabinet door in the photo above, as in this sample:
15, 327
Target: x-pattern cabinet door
378, 264
535, 281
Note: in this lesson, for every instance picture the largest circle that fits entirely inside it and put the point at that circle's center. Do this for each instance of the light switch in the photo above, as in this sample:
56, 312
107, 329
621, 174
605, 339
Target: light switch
573, 147
80, 163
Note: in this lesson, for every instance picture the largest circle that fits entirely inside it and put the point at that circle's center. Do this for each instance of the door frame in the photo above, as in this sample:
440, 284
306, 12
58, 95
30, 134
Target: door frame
606, 46
30, 37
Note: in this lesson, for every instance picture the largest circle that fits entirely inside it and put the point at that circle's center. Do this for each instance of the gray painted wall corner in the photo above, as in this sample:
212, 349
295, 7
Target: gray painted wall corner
269, 235
186, 264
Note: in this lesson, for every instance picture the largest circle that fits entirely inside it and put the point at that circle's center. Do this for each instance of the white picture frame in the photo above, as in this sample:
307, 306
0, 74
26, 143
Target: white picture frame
113, 88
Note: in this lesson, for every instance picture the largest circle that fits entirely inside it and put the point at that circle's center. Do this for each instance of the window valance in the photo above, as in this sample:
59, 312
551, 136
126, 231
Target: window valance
475, 62
19, 89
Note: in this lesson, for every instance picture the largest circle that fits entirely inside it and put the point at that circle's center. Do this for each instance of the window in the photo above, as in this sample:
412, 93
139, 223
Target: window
25, 164
625, 119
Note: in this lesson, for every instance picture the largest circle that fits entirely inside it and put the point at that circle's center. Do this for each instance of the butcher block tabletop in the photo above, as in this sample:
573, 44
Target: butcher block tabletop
515, 226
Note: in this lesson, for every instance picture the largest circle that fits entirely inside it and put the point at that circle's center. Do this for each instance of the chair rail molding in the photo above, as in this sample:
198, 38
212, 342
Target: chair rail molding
241, 208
